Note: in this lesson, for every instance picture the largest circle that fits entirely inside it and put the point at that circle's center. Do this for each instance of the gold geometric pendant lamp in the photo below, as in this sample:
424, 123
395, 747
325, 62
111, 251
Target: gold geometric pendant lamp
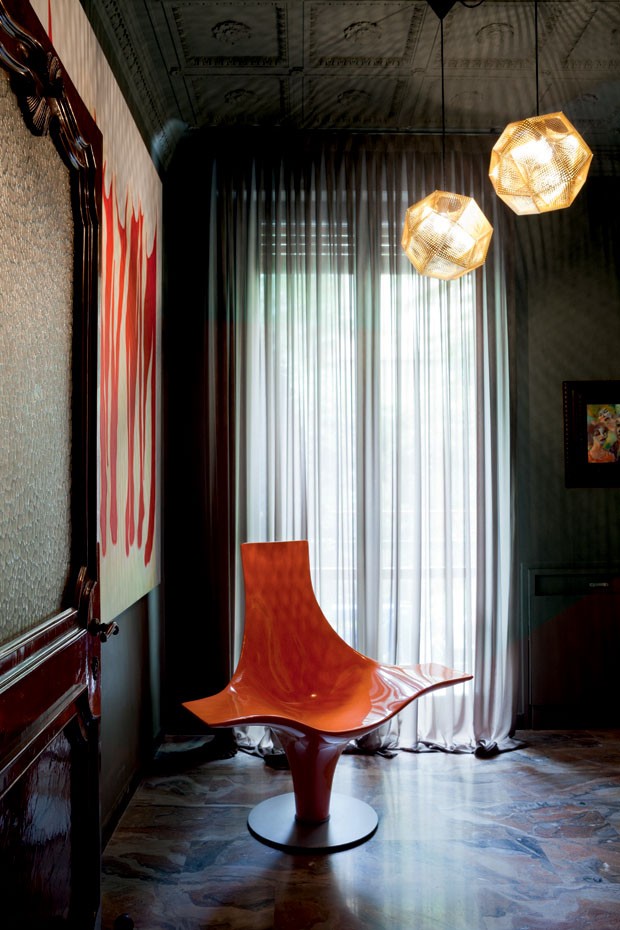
537, 165
541, 163
445, 235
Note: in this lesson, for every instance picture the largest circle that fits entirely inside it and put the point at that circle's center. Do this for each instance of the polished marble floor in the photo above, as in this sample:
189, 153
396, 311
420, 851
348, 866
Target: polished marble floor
525, 840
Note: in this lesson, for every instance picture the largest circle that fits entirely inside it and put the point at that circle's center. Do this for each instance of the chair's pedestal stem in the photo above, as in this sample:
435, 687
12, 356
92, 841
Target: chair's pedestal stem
312, 761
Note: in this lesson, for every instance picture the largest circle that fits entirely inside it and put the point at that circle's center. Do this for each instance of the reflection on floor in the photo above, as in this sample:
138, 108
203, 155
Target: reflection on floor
526, 840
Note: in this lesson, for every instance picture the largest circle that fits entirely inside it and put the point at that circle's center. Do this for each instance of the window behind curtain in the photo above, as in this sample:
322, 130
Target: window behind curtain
307, 372
371, 420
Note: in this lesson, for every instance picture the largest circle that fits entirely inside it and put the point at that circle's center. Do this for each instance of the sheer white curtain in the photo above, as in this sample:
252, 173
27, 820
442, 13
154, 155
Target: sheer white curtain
372, 418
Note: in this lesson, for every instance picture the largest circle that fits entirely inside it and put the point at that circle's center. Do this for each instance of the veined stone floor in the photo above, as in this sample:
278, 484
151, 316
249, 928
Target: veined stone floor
525, 840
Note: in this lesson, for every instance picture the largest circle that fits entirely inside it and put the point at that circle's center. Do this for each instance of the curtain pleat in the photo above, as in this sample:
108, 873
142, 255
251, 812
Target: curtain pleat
372, 409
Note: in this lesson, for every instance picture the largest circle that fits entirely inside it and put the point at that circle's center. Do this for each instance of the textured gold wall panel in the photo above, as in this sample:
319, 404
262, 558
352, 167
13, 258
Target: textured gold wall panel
36, 286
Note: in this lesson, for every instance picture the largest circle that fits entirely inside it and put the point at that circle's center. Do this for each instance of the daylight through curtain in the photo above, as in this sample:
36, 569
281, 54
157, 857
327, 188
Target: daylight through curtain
372, 413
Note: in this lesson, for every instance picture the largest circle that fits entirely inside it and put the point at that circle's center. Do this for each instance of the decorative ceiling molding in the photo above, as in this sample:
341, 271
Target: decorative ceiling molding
119, 36
359, 65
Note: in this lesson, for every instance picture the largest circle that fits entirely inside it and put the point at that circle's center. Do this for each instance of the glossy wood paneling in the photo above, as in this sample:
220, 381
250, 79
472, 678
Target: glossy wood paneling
49, 833
50, 676
49, 777
35, 841
38, 697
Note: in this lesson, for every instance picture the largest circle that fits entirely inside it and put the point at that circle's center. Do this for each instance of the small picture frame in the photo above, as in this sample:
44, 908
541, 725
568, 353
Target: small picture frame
592, 434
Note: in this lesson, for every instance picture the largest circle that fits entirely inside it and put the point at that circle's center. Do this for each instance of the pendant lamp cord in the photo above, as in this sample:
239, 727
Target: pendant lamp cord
443, 117
536, 54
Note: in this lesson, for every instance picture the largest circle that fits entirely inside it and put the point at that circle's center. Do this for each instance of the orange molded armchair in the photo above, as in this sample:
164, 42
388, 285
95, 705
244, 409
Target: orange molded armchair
296, 675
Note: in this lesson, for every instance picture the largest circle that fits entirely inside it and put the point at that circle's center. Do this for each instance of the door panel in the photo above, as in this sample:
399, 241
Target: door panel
50, 640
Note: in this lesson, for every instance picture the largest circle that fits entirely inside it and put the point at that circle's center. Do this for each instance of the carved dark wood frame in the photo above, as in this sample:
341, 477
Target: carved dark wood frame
49, 103
49, 677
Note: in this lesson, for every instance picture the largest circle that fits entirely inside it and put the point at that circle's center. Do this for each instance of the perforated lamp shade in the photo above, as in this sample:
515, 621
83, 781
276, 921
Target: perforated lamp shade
446, 235
539, 164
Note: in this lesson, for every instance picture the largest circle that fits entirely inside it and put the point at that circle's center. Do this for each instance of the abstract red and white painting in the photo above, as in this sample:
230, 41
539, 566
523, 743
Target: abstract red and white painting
129, 321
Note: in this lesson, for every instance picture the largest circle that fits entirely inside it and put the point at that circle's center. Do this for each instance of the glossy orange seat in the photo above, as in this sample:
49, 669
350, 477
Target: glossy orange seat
297, 676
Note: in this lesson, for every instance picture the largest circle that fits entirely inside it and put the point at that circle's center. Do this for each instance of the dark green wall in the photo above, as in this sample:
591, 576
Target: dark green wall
568, 329
567, 324
130, 704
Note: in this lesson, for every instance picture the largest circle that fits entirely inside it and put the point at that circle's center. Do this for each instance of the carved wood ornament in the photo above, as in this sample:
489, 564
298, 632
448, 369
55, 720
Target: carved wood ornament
49, 676
38, 82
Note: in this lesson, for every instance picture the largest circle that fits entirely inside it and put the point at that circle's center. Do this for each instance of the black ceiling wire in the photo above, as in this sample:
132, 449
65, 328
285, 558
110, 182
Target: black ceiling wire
443, 117
536, 54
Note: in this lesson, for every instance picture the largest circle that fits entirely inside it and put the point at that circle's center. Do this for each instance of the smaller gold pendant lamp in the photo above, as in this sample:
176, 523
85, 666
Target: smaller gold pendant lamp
539, 164
446, 235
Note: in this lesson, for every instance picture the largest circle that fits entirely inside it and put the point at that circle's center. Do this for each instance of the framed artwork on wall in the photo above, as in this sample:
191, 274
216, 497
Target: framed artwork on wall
129, 396
592, 434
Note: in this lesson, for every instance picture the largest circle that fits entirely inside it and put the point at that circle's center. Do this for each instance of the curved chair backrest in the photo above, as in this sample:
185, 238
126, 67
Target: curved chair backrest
287, 640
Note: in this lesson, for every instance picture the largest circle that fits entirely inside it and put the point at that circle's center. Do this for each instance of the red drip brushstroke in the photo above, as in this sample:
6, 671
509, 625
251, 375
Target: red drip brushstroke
116, 328
110, 351
150, 376
105, 363
132, 340
49, 19
130, 310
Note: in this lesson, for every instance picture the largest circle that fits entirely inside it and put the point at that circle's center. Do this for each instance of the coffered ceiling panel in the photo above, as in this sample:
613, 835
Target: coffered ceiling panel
494, 36
226, 100
587, 39
361, 64
369, 102
213, 35
361, 35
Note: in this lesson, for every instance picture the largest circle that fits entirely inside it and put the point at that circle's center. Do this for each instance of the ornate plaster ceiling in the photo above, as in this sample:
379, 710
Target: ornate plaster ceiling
361, 64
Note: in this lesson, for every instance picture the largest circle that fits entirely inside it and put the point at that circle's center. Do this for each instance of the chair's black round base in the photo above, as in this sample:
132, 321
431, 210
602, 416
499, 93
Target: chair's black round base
351, 822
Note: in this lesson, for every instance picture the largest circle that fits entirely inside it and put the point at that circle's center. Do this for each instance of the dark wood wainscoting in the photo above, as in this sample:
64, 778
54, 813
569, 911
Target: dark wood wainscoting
49, 788
50, 637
